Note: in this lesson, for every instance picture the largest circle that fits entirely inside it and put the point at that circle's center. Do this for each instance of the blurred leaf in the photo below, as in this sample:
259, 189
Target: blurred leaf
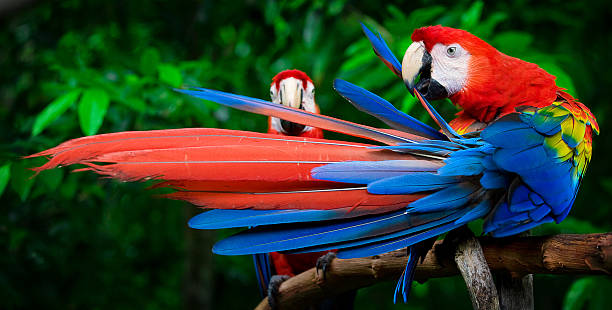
92, 109
21, 179
149, 61
136, 104
312, 28
470, 18
486, 27
51, 178
578, 293
563, 79
54, 110
170, 75
5, 175
512, 42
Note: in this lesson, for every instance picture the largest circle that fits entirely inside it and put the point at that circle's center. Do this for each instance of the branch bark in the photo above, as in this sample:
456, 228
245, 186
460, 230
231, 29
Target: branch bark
474, 269
558, 254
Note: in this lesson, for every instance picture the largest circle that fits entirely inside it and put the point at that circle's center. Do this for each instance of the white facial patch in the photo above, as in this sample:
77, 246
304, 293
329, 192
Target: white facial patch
291, 93
449, 66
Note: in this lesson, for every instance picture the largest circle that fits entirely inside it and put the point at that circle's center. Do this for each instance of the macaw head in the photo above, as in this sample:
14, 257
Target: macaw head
444, 62
292, 88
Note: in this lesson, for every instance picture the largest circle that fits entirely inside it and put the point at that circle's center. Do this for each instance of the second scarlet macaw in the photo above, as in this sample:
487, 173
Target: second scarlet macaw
523, 166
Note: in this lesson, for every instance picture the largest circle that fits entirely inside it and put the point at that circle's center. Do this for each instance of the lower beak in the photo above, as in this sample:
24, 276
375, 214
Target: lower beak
292, 129
416, 73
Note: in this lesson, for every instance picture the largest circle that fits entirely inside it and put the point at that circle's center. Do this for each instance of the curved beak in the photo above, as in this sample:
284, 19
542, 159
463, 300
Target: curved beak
291, 95
416, 73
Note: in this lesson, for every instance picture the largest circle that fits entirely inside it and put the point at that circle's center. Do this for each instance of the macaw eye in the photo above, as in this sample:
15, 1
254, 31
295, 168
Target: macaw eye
313, 92
271, 94
451, 50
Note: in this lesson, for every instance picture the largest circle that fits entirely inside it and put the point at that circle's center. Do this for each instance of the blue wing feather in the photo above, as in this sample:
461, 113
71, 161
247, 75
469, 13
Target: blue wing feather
382, 50
380, 108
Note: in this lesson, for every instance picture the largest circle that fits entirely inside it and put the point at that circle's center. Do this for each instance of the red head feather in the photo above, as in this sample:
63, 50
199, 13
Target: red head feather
291, 73
496, 83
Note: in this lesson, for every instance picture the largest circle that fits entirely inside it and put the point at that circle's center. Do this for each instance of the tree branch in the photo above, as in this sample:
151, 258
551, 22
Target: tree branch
472, 265
558, 254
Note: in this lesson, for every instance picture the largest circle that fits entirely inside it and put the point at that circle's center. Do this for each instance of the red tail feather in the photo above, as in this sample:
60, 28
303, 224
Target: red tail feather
220, 168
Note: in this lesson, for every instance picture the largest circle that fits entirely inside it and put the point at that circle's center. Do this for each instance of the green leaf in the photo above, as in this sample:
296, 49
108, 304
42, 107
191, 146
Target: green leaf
149, 61
92, 109
470, 18
512, 42
54, 110
5, 175
578, 294
22, 179
170, 75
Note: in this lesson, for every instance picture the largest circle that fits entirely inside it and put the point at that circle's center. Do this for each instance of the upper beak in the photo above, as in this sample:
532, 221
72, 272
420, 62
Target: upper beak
292, 94
416, 65
416, 60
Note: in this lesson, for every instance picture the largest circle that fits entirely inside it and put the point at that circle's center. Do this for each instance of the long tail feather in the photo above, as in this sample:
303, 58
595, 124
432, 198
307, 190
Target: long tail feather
299, 116
353, 198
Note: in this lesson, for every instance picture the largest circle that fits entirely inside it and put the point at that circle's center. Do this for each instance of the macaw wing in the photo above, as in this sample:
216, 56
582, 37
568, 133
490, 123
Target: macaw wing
548, 149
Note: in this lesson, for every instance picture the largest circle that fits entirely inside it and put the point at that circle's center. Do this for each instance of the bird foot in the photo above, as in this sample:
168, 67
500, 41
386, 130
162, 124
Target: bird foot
273, 289
324, 263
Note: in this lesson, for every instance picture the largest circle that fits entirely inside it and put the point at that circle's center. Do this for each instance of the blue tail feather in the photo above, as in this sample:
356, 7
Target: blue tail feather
262, 271
365, 172
222, 218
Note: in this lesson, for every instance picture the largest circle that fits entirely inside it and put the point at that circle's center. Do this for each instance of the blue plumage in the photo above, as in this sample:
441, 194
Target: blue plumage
262, 265
221, 218
365, 172
380, 108
382, 50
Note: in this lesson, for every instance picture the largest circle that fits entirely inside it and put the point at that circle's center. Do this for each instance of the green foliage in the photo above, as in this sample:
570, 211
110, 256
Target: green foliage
84, 67
5, 175
92, 109
54, 110
588, 293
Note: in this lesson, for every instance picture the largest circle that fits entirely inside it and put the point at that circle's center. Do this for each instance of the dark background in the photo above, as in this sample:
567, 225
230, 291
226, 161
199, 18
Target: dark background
76, 67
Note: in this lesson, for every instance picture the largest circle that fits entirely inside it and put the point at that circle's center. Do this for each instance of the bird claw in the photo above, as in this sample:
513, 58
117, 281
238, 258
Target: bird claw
273, 289
324, 262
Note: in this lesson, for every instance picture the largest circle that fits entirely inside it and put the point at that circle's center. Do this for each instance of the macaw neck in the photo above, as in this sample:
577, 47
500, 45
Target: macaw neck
499, 84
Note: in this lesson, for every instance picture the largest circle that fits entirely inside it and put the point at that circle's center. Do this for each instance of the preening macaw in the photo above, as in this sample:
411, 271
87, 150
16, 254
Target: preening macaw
522, 167
291, 88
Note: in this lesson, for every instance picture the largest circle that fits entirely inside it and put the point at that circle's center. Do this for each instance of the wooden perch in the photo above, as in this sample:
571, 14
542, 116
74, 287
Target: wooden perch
472, 265
558, 254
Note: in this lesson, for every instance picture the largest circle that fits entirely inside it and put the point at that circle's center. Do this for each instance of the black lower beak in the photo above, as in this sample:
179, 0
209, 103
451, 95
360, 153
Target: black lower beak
292, 129
431, 89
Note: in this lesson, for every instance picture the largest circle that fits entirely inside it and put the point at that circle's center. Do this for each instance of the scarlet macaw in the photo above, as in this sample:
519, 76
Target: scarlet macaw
291, 88
523, 167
